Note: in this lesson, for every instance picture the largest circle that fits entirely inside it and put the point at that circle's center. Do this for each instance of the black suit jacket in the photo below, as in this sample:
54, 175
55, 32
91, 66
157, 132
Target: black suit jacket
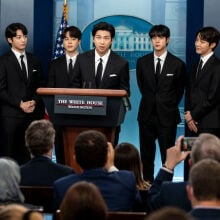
164, 192
58, 74
14, 88
165, 95
41, 171
203, 94
116, 74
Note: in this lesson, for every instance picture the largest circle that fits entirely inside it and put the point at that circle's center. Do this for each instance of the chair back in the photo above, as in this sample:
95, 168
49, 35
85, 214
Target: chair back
126, 215
40, 196
116, 215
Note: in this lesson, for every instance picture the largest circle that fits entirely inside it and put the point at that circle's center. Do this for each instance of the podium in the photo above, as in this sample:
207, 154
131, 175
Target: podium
77, 110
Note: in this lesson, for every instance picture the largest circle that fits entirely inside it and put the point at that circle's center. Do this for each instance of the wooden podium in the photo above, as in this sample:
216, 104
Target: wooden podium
77, 110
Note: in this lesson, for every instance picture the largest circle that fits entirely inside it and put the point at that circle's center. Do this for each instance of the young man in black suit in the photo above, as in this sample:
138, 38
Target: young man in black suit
160, 77
202, 101
41, 170
101, 68
60, 75
20, 76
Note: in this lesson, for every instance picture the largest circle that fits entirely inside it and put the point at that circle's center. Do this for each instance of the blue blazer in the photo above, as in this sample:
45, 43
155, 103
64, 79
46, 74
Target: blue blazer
164, 192
117, 188
205, 213
42, 171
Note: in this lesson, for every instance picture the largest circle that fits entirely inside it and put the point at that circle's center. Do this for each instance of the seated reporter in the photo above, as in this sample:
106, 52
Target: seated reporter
41, 170
118, 188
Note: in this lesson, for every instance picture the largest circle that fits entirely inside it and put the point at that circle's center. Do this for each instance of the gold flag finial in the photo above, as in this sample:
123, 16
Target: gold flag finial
65, 10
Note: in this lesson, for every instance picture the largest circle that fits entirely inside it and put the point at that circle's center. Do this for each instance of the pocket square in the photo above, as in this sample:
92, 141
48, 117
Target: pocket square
34, 70
112, 75
170, 74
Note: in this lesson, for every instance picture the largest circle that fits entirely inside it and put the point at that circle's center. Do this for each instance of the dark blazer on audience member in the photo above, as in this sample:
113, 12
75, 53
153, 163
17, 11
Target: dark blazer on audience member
117, 188
205, 213
58, 76
115, 76
163, 193
42, 171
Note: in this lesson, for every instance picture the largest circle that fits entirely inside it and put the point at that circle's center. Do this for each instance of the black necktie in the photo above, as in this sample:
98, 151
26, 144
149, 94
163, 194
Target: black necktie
157, 74
98, 76
70, 66
199, 68
23, 67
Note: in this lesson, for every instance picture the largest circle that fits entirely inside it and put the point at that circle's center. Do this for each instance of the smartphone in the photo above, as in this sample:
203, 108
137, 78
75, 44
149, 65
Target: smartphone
187, 143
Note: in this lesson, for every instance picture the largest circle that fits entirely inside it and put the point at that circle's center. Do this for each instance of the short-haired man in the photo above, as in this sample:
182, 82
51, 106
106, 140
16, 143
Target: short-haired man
92, 152
41, 170
60, 76
101, 67
202, 100
161, 81
20, 76
203, 190
202, 105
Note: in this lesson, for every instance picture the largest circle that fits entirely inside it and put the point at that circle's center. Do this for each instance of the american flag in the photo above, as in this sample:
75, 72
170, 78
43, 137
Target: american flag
58, 49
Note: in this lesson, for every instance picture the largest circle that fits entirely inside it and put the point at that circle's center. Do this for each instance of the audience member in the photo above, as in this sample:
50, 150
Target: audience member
39, 138
117, 188
169, 213
19, 212
60, 75
110, 163
9, 182
127, 158
164, 193
204, 191
83, 201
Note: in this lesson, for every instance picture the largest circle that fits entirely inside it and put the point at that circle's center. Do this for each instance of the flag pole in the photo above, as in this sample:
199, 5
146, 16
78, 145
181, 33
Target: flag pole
59, 50
65, 9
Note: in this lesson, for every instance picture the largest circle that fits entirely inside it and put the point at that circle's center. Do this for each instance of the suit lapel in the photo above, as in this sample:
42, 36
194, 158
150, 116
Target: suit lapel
63, 67
204, 69
108, 68
151, 70
16, 64
91, 68
164, 69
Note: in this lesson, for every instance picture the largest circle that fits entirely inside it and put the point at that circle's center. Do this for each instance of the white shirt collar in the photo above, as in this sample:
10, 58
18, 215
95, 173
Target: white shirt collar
68, 57
205, 58
104, 58
18, 54
162, 57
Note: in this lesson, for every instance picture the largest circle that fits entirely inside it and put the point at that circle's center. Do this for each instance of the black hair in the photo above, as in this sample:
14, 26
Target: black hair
105, 27
73, 31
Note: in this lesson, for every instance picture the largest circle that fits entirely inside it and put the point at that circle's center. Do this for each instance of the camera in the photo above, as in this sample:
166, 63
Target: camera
187, 143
